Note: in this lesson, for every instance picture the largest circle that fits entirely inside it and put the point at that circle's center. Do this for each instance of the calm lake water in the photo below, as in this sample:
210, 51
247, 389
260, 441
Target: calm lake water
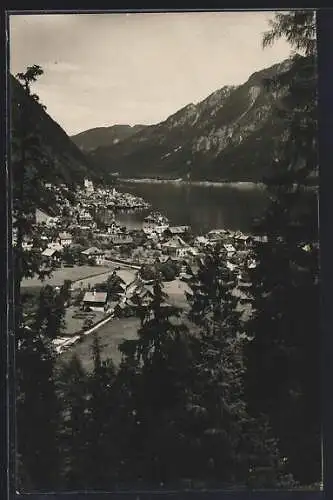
201, 207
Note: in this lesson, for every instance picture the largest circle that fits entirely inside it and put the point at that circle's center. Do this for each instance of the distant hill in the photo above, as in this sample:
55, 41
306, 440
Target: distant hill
229, 136
104, 136
66, 159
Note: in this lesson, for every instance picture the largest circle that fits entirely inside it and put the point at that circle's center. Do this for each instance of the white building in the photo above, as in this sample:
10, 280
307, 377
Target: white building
89, 186
85, 218
156, 225
65, 239
176, 247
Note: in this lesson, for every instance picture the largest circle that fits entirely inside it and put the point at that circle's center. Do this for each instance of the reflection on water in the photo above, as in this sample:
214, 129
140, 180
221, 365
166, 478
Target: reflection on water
201, 207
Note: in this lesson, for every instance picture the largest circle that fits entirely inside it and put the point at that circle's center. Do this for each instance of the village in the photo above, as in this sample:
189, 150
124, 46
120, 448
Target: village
110, 268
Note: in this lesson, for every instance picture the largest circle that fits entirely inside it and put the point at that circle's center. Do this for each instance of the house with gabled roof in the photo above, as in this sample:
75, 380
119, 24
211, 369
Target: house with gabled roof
176, 247
51, 254
65, 239
95, 301
94, 254
85, 218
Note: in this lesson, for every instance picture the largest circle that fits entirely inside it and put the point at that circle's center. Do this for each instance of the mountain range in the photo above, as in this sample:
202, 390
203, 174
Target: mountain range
229, 136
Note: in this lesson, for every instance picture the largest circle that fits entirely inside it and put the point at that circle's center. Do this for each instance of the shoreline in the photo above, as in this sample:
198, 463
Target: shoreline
181, 182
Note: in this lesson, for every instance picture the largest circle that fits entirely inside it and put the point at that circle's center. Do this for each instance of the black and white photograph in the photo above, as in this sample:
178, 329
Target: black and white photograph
165, 191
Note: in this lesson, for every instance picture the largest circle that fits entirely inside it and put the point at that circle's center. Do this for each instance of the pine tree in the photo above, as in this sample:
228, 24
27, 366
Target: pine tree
102, 450
157, 364
26, 163
283, 356
37, 404
32, 168
217, 399
50, 317
72, 386
231, 441
38, 412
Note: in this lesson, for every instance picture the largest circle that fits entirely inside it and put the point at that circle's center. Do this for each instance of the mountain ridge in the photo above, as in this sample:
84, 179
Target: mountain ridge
90, 139
205, 141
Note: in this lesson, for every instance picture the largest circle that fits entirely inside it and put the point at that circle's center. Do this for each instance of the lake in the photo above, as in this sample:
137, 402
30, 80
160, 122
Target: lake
201, 207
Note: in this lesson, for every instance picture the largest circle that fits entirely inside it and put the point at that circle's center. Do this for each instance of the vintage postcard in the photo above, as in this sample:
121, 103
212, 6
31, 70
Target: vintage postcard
166, 250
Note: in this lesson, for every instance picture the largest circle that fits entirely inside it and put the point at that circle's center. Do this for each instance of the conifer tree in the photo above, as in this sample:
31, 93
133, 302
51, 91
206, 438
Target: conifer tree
217, 389
157, 362
38, 411
37, 404
230, 440
283, 356
72, 386
101, 432
49, 319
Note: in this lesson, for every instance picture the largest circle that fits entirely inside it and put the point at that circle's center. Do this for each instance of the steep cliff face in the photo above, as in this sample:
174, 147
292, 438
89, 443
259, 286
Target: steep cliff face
227, 136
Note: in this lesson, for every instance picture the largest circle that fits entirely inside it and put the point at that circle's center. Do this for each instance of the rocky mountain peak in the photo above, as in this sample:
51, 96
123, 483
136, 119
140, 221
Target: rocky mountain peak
228, 135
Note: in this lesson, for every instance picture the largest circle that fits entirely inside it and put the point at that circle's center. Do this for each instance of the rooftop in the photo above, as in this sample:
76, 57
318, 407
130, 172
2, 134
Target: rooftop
65, 236
176, 241
95, 297
48, 252
92, 251
178, 229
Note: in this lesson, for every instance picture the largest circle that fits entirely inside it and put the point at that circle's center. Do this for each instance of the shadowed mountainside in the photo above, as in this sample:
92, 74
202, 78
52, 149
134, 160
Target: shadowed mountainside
104, 136
69, 164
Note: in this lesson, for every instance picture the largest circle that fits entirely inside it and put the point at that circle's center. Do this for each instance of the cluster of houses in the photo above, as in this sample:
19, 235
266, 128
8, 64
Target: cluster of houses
129, 294
88, 201
157, 238
140, 291
156, 242
179, 243
109, 197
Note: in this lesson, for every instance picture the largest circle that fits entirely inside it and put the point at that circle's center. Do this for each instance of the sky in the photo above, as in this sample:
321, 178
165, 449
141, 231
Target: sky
120, 68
